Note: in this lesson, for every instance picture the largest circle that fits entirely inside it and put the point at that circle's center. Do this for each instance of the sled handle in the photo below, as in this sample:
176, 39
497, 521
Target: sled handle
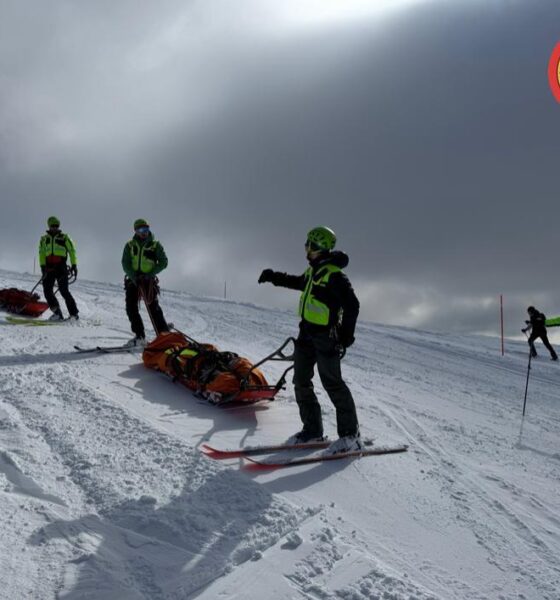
71, 280
278, 355
37, 284
196, 344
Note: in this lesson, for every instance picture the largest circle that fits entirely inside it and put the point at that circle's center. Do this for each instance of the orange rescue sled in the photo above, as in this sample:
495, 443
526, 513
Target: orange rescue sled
218, 377
21, 302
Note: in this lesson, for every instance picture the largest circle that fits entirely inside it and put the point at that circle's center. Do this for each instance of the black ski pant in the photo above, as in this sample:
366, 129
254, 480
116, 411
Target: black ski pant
58, 275
535, 336
320, 349
150, 294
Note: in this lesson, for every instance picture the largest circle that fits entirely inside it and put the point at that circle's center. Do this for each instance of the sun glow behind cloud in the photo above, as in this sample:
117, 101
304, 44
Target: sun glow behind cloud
204, 19
318, 13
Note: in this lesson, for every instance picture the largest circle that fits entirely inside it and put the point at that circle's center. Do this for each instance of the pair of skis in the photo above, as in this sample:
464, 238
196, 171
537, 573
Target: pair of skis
287, 455
42, 322
107, 349
34, 322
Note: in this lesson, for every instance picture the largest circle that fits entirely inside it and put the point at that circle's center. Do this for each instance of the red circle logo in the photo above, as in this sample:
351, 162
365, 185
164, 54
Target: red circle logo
554, 72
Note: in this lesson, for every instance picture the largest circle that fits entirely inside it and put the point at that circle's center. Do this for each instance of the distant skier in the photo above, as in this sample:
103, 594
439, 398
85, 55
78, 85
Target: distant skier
328, 309
536, 324
143, 258
55, 247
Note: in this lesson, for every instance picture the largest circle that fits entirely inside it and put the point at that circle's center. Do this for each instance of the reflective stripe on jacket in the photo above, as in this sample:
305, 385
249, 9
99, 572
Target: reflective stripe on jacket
147, 258
143, 257
56, 248
310, 308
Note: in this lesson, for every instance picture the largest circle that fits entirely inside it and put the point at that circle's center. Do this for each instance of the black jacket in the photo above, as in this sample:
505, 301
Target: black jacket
537, 322
337, 294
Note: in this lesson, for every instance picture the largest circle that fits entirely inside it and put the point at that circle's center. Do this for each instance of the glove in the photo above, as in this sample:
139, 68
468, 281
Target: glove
266, 275
524, 330
74, 270
527, 322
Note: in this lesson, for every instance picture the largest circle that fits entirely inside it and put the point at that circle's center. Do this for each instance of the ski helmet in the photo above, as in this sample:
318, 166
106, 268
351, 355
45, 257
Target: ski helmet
531, 309
141, 223
322, 237
53, 222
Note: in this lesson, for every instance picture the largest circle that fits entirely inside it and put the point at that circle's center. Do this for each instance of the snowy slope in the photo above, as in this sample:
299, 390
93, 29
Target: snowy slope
104, 493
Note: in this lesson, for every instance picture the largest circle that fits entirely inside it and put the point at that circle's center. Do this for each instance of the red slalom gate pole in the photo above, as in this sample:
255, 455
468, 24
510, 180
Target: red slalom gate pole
502, 320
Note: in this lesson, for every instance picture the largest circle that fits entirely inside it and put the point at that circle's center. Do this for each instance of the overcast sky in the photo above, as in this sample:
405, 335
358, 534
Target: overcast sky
423, 132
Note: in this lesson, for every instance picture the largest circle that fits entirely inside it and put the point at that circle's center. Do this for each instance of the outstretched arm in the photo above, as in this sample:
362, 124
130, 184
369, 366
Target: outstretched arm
293, 282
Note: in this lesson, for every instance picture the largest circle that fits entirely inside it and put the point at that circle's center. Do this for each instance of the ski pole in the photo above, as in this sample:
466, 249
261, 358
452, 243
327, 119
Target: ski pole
527, 382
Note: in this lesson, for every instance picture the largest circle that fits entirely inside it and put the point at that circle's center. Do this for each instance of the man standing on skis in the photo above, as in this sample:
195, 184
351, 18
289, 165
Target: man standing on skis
328, 309
143, 258
55, 247
536, 324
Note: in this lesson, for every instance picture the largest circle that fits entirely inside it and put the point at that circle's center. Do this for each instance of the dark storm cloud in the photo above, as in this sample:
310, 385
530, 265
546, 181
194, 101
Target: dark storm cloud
426, 137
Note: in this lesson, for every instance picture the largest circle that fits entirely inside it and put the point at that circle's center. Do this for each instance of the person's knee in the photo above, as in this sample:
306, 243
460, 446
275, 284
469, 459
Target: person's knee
331, 379
338, 391
302, 383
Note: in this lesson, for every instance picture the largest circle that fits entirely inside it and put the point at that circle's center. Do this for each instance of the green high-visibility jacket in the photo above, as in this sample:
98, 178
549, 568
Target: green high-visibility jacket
143, 257
330, 300
310, 308
56, 248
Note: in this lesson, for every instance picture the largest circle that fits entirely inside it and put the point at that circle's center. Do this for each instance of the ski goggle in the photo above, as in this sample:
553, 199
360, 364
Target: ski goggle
143, 230
313, 246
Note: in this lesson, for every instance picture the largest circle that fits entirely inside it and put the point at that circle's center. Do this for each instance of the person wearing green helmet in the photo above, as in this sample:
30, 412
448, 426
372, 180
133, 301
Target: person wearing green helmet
55, 247
142, 259
328, 309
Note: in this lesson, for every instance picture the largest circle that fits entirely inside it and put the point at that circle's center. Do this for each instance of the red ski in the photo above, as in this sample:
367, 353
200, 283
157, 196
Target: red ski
290, 461
256, 450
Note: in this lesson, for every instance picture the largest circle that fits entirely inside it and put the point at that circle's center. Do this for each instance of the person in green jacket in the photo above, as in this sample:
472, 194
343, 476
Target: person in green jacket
328, 309
55, 248
143, 258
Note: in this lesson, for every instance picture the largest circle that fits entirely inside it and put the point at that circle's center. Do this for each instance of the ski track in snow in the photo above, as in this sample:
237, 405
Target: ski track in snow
482, 497
105, 494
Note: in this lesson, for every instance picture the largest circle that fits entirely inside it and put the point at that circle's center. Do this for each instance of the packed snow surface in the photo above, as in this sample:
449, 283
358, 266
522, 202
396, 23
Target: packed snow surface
105, 494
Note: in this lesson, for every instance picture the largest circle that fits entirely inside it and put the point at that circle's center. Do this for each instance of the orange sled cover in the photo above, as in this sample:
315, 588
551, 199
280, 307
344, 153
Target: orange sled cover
21, 302
216, 376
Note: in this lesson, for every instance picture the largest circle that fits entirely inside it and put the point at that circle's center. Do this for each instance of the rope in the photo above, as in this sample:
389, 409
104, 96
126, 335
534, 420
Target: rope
148, 289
